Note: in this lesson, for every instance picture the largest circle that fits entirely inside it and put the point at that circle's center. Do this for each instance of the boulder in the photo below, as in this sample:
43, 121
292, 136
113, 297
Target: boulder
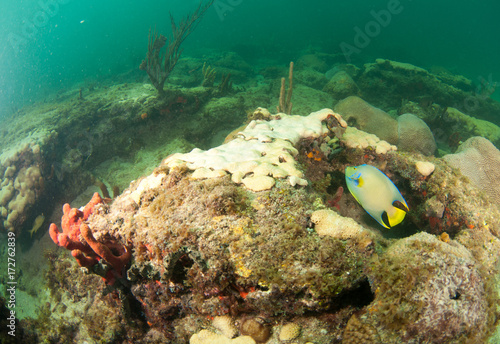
415, 135
341, 85
368, 118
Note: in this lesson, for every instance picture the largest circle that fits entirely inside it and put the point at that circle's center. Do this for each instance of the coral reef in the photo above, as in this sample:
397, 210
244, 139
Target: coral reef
258, 229
200, 244
290, 262
479, 160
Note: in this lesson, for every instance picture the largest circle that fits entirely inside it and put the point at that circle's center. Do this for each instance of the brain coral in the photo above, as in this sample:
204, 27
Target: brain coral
368, 118
415, 135
479, 160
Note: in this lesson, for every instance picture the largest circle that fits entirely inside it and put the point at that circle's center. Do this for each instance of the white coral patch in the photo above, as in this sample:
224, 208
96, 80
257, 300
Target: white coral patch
262, 152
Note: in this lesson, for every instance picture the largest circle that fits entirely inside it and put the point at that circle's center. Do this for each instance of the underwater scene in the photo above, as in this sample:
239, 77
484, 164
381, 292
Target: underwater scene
236, 171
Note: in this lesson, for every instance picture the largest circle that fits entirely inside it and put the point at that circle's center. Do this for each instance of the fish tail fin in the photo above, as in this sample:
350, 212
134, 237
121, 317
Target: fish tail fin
396, 217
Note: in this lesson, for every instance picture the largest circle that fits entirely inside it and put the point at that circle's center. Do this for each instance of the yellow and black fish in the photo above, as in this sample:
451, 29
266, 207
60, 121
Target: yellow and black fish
377, 194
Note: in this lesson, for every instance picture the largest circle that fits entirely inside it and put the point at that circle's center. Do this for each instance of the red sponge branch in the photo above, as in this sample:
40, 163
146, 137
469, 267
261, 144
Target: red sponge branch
70, 222
77, 237
118, 261
84, 260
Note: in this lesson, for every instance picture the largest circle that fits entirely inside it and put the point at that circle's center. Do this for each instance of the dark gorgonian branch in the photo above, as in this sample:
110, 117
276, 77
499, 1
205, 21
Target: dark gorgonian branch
159, 65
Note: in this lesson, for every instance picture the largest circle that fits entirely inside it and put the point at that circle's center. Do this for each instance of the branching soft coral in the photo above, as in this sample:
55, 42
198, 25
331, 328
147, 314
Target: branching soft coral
159, 65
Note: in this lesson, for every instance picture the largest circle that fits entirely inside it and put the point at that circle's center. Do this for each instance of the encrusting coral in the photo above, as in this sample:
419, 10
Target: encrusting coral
21, 182
264, 149
289, 332
354, 138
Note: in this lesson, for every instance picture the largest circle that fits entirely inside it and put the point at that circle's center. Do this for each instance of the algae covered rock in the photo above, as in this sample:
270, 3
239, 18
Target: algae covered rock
341, 85
314, 61
398, 81
310, 78
471, 126
212, 245
440, 295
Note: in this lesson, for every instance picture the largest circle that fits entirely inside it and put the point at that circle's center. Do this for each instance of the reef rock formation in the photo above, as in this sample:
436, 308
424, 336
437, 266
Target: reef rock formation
441, 287
399, 81
341, 85
206, 245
